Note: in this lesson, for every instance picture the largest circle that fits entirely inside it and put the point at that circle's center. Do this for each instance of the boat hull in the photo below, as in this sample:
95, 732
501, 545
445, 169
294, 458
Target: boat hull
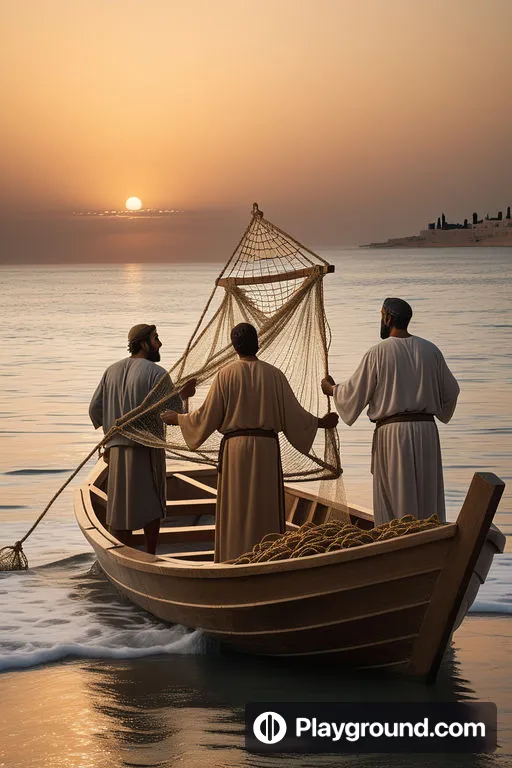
369, 606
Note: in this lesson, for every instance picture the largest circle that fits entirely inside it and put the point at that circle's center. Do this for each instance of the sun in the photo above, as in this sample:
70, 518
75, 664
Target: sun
133, 204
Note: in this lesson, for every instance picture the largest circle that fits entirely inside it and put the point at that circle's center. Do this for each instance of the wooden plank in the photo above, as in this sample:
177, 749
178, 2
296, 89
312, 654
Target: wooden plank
98, 473
277, 278
183, 507
99, 495
93, 518
357, 514
191, 503
202, 554
338, 603
293, 508
196, 483
204, 475
105, 543
188, 533
473, 524
393, 651
195, 468
81, 515
311, 512
347, 633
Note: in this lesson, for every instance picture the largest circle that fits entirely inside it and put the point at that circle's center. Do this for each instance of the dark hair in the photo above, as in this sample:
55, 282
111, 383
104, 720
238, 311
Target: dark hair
400, 311
244, 338
135, 346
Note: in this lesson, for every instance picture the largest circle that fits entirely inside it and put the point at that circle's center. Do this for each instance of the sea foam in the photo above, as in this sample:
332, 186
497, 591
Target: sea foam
495, 595
60, 611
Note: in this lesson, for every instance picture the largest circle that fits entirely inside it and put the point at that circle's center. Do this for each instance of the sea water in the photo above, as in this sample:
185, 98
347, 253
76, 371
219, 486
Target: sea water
62, 326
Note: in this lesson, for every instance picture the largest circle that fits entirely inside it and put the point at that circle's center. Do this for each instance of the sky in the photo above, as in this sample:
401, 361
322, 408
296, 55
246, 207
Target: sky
347, 121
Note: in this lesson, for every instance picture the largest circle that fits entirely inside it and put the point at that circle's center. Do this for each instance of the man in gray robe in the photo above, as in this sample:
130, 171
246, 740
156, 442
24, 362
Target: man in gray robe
136, 493
405, 382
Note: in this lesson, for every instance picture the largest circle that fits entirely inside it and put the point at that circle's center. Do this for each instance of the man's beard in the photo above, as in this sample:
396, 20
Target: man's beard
385, 330
153, 355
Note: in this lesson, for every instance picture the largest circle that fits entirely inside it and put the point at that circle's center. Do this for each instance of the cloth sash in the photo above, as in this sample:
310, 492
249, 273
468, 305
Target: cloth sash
249, 433
397, 417
407, 416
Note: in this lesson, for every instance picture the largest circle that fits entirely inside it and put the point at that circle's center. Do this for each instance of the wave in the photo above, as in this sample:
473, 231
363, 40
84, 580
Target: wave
65, 609
181, 641
490, 606
82, 557
36, 471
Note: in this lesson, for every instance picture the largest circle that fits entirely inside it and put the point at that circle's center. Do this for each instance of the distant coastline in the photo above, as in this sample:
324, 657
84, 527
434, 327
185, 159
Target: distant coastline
489, 231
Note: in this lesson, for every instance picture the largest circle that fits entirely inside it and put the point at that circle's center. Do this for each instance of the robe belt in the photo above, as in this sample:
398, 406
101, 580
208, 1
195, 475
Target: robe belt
397, 417
243, 433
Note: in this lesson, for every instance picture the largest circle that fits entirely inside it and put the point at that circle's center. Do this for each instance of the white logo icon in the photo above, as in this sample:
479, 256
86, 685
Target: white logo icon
269, 727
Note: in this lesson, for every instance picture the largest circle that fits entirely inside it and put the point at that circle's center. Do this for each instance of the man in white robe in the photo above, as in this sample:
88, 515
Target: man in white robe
250, 402
136, 493
405, 382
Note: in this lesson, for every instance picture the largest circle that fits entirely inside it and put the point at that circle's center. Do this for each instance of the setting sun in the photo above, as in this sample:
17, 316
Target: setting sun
133, 204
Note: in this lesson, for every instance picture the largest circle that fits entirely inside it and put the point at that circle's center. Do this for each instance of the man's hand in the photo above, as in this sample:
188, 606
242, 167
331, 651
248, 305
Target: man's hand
329, 421
170, 417
189, 389
327, 385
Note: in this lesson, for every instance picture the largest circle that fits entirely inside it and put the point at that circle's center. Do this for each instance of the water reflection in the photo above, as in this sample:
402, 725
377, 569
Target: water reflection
132, 277
191, 709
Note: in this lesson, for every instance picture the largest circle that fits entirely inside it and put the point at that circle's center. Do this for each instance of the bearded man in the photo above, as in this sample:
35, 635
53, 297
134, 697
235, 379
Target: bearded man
136, 493
249, 402
405, 382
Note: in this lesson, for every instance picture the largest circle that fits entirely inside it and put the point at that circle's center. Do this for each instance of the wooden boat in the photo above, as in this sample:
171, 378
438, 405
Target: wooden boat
390, 604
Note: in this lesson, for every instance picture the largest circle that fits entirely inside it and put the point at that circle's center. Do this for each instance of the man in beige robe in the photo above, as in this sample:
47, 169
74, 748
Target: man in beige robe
250, 402
405, 382
136, 480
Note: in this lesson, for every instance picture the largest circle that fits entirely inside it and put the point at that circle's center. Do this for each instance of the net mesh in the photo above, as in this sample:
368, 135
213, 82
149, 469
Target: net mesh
276, 284
13, 558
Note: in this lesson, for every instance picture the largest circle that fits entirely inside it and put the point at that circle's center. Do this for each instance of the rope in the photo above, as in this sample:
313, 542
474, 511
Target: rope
311, 539
12, 558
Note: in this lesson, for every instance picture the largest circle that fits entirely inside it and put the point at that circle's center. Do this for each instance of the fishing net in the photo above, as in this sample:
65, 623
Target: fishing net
276, 284
13, 558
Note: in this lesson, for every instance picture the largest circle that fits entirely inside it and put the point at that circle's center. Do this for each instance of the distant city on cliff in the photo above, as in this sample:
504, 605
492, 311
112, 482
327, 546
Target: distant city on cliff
489, 231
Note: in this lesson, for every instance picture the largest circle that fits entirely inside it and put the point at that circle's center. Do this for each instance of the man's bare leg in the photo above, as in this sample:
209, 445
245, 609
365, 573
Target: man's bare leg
151, 531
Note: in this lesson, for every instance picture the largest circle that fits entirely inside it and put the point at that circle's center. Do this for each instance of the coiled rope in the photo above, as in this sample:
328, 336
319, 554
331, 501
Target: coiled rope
311, 539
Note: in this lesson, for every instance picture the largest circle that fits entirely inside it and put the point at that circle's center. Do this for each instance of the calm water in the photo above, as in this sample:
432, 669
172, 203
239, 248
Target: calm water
67, 325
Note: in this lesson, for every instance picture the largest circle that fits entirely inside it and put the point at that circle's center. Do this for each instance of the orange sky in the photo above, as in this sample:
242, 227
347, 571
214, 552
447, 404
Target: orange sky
347, 121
